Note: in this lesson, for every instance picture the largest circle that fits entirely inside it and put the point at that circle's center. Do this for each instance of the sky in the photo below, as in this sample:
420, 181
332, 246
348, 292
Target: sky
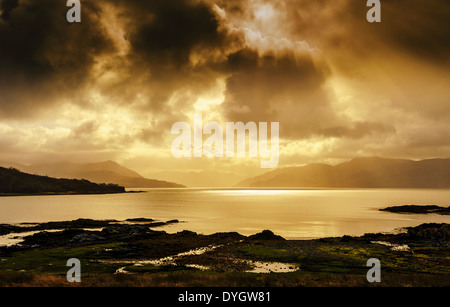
112, 86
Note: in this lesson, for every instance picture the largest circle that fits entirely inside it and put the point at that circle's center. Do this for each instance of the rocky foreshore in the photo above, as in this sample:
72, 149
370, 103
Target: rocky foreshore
78, 224
418, 209
135, 247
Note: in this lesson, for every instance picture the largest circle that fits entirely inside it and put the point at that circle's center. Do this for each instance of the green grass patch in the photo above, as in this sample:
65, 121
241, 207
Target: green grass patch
262, 252
157, 269
355, 253
54, 260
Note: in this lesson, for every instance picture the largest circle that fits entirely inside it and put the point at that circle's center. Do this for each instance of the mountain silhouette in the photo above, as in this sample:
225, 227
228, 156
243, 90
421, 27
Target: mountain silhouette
101, 172
371, 172
201, 178
13, 181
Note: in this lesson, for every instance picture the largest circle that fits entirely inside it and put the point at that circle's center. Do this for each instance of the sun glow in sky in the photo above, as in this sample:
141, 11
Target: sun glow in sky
112, 86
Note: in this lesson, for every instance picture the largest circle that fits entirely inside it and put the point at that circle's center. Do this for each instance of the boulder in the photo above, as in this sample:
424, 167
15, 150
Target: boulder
124, 232
436, 233
265, 235
85, 238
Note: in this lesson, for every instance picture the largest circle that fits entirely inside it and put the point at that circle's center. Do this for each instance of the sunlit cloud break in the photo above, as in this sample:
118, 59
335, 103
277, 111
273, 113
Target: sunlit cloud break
111, 86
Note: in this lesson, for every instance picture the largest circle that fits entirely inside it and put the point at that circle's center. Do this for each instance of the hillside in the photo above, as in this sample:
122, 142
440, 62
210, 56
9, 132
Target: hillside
12, 181
102, 172
200, 178
360, 173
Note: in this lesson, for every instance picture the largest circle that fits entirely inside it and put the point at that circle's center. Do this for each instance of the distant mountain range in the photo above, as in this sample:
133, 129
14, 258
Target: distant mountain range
357, 173
201, 178
15, 182
360, 173
102, 172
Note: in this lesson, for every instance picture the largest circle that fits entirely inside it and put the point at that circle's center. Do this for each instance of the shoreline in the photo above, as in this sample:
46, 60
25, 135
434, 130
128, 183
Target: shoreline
418, 209
136, 252
67, 193
134, 249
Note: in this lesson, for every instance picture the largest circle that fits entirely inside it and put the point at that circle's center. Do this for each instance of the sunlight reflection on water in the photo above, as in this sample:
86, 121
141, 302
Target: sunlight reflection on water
291, 213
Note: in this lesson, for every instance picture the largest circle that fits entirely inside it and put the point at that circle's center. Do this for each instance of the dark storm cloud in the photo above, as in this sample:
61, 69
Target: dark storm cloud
176, 52
6, 6
288, 87
261, 84
43, 58
178, 49
421, 28
173, 29
412, 27
132, 68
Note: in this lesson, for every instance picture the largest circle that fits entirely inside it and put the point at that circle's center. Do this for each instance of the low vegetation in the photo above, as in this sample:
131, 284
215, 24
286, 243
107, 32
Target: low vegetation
136, 255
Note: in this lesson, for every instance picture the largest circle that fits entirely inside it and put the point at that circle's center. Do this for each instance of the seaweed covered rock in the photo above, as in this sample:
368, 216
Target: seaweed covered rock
436, 233
418, 209
86, 238
187, 233
265, 235
124, 232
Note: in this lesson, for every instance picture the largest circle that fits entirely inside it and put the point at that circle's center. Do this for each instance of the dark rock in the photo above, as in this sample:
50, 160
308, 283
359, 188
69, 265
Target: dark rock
86, 238
186, 233
125, 232
418, 209
6, 229
438, 233
46, 238
141, 219
346, 238
124, 229
227, 235
79, 223
265, 235
155, 224
172, 221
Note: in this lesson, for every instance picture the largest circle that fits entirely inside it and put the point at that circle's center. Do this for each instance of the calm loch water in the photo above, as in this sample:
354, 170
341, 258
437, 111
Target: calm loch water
291, 213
